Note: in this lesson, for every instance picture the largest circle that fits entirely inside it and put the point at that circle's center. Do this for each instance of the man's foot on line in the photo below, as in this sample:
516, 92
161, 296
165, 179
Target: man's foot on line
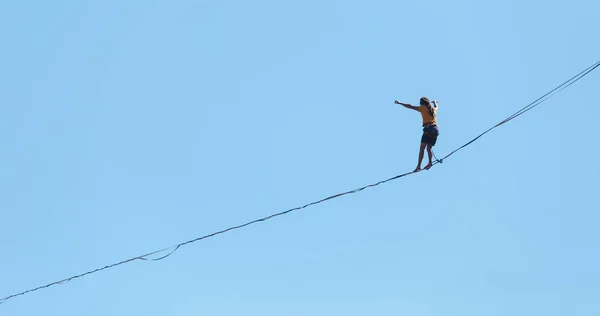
429, 165
418, 169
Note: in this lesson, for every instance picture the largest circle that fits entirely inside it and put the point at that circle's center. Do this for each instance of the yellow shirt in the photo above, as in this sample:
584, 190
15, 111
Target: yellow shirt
427, 117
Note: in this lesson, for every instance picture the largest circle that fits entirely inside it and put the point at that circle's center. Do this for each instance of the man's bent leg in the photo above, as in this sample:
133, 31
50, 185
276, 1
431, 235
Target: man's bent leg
430, 154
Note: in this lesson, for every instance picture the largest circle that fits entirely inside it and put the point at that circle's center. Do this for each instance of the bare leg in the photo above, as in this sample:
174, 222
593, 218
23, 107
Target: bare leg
430, 154
421, 153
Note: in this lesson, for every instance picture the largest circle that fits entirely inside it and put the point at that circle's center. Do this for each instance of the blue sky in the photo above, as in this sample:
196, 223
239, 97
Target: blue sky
129, 126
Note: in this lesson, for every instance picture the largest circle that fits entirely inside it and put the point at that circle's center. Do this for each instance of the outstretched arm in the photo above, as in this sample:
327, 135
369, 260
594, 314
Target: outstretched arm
406, 105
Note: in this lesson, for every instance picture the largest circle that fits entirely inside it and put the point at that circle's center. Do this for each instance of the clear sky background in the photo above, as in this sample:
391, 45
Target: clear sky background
129, 126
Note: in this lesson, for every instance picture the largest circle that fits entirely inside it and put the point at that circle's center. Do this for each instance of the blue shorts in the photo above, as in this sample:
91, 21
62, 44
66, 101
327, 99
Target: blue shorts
430, 135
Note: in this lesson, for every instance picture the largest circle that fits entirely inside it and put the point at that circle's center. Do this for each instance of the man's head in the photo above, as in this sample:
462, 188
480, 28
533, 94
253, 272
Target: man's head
425, 101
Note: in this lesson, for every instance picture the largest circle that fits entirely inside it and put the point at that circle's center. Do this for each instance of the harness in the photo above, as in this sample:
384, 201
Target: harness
426, 127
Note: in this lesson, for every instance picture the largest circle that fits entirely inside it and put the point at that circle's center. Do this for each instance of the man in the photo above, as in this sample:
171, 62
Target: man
430, 128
